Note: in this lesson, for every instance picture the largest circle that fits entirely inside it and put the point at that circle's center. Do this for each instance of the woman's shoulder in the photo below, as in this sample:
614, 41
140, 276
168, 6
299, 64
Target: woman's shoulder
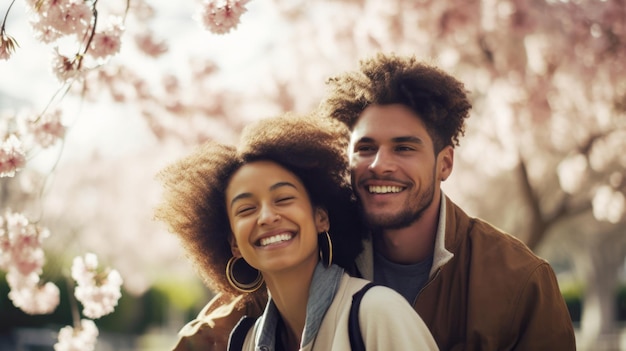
352, 284
376, 293
377, 298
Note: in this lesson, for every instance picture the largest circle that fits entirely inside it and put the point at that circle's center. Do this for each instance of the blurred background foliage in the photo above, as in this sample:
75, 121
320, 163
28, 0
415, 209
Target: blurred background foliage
543, 156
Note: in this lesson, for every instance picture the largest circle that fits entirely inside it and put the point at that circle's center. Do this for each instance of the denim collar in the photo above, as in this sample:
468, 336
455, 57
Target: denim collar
321, 294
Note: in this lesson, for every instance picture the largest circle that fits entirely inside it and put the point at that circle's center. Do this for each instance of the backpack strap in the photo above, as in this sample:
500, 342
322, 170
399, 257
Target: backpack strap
354, 329
238, 335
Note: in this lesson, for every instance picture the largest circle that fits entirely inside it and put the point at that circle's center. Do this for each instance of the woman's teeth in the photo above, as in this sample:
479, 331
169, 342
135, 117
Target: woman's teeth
275, 239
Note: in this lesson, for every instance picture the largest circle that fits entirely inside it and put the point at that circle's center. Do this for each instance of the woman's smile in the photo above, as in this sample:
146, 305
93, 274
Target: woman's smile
276, 239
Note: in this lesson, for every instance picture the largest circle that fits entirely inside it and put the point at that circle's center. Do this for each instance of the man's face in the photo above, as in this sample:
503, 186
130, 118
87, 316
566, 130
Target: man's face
395, 171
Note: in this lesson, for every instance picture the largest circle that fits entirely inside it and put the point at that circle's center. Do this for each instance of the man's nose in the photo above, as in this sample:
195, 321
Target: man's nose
382, 163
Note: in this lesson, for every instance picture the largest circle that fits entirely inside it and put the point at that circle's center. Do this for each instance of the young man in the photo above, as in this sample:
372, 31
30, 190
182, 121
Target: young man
475, 287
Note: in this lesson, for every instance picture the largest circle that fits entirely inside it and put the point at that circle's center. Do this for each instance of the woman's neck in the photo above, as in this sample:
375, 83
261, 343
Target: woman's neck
290, 293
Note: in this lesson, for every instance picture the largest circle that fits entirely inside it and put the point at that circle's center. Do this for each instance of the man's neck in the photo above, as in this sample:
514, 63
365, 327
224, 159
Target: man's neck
411, 244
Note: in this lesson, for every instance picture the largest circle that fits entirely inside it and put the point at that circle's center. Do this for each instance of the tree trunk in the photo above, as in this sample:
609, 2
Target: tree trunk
599, 267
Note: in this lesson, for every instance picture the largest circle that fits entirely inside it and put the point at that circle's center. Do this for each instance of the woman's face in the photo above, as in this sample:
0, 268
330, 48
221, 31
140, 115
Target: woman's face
271, 217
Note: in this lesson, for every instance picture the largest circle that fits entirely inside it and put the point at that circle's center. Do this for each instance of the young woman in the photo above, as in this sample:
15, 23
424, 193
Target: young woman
277, 212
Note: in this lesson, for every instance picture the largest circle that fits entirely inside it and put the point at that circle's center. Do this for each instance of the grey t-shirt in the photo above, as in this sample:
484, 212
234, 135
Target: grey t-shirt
406, 279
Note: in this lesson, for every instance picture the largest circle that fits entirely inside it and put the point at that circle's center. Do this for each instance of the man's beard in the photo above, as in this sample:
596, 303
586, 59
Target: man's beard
411, 213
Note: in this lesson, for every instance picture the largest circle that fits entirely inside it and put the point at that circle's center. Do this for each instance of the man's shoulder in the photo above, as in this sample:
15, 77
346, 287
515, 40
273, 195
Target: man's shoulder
501, 258
486, 237
480, 235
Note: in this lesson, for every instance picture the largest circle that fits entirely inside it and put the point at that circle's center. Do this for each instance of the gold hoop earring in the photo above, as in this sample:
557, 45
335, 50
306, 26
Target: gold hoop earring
326, 249
246, 269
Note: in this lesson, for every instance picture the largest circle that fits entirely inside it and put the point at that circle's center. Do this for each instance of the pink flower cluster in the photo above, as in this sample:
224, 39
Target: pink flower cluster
7, 45
149, 45
52, 20
98, 290
30, 296
82, 338
46, 129
12, 156
107, 43
220, 16
20, 133
22, 257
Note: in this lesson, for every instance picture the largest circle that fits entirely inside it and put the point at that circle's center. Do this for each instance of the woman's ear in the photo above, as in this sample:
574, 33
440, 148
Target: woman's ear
322, 223
233, 246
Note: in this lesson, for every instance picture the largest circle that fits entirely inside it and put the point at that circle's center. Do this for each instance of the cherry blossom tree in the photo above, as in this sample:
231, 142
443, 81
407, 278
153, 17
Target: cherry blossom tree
82, 40
542, 155
549, 116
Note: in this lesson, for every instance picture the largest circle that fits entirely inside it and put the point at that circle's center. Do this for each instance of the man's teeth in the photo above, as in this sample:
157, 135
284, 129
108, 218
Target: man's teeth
275, 239
378, 189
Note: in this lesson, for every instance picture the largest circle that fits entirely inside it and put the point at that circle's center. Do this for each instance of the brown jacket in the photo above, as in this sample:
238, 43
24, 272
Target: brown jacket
487, 291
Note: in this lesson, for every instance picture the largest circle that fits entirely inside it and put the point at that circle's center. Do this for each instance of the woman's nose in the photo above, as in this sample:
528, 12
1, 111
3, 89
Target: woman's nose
268, 215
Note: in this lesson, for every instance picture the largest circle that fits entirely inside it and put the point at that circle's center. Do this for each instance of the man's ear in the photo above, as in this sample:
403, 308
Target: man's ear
322, 223
445, 161
233, 246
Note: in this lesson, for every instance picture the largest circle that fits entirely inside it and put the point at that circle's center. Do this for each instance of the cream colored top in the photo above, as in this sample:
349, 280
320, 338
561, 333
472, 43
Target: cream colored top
387, 322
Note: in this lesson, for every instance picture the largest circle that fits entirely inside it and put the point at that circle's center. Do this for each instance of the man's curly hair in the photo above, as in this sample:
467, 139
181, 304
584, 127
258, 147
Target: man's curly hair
194, 203
437, 98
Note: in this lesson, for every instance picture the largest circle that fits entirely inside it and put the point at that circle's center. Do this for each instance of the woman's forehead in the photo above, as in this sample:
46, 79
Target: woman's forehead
261, 176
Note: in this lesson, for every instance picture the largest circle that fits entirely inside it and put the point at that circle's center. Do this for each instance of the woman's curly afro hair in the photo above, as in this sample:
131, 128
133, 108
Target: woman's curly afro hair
313, 148
436, 97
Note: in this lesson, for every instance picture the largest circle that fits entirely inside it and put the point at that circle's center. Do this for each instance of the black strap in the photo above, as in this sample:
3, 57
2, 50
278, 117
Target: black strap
238, 335
354, 328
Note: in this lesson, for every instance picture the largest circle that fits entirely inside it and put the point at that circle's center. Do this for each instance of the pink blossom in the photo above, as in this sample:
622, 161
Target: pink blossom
43, 32
84, 269
80, 14
108, 42
58, 18
31, 297
98, 291
220, 16
65, 68
22, 256
7, 45
20, 242
149, 45
47, 128
5, 247
79, 339
45, 6
12, 156
54, 19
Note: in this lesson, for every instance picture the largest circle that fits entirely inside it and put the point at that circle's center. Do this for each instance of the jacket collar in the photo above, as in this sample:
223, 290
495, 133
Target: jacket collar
441, 255
324, 284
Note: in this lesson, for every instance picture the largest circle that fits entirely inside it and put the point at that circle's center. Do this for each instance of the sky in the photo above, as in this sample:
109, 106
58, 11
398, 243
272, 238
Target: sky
26, 80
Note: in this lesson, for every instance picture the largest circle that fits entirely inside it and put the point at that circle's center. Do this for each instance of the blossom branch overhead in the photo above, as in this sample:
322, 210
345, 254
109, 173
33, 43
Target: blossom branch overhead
222, 16
82, 41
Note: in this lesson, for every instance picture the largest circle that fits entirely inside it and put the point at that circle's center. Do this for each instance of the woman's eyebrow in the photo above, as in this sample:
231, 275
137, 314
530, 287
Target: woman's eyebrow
240, 197
249, 195
281, 184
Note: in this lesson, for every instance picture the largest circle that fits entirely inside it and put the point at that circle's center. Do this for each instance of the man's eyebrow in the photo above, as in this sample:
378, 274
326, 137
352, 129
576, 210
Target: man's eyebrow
400, 139
408, 139
365, 140
249, 195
